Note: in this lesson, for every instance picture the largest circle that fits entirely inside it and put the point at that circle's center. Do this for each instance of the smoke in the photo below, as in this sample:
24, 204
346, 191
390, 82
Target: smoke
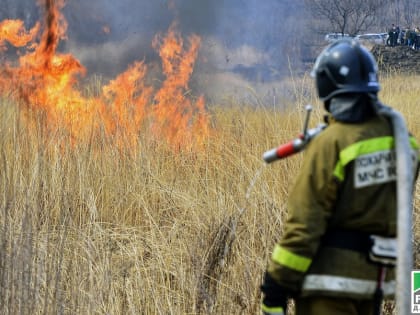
252, 39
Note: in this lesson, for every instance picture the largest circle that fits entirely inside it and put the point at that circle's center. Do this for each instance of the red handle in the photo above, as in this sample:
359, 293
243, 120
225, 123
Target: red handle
293, 146
283, 151
286, 149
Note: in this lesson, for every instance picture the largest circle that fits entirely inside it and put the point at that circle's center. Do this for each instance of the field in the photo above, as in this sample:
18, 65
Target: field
93, 229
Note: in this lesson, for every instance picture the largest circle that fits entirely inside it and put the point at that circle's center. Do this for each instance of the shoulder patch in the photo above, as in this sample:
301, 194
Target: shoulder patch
375, 168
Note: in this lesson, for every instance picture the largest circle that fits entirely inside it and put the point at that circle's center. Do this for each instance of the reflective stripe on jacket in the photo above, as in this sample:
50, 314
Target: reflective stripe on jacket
347, 181
345, 285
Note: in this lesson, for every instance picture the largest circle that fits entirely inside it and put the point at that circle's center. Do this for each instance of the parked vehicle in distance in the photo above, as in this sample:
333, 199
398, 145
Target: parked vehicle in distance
372, 38
384, 36
331, 37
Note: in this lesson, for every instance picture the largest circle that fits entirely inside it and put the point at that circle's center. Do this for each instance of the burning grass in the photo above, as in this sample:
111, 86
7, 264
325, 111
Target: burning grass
88, 229
43, 78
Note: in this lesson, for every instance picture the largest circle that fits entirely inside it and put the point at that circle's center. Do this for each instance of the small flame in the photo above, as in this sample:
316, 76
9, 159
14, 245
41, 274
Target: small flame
47, 80
106, 29
14, 32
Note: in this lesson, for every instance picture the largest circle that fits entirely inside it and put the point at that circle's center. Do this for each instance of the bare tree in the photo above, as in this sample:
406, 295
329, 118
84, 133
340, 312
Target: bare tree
409, 8
410, 15
345, 16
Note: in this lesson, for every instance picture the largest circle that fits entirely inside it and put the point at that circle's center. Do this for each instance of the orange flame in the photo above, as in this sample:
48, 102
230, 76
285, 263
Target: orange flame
173, 111
47, 80
106, 29
14, 32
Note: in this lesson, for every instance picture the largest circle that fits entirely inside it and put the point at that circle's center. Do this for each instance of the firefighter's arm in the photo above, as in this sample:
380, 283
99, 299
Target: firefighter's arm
311, 203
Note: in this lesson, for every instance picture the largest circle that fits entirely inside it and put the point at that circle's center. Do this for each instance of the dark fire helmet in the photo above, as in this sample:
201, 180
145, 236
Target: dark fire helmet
345, 67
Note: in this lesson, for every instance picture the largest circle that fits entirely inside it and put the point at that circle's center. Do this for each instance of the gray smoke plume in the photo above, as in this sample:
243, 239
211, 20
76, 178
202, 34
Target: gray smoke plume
247, 40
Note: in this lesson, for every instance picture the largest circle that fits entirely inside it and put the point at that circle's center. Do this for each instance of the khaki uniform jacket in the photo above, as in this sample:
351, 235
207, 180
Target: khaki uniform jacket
347, 182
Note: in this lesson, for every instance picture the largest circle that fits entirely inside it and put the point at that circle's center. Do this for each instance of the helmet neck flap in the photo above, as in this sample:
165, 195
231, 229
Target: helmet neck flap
352, 108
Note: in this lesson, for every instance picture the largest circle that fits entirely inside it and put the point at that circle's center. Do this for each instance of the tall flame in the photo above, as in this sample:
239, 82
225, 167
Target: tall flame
47, 80
173, 110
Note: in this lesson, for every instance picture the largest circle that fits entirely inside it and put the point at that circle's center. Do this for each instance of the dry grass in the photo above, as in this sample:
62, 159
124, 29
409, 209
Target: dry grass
90, 230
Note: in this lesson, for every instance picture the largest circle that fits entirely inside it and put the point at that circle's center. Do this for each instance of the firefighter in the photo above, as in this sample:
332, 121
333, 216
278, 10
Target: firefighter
343, 200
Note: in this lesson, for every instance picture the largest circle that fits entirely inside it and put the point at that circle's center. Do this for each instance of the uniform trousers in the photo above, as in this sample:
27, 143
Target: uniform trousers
333, 306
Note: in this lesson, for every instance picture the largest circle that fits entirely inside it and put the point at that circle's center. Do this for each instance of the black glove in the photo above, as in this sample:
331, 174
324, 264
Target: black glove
274, 297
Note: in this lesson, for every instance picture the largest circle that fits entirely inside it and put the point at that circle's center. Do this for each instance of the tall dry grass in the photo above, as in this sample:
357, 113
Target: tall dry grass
92, 230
